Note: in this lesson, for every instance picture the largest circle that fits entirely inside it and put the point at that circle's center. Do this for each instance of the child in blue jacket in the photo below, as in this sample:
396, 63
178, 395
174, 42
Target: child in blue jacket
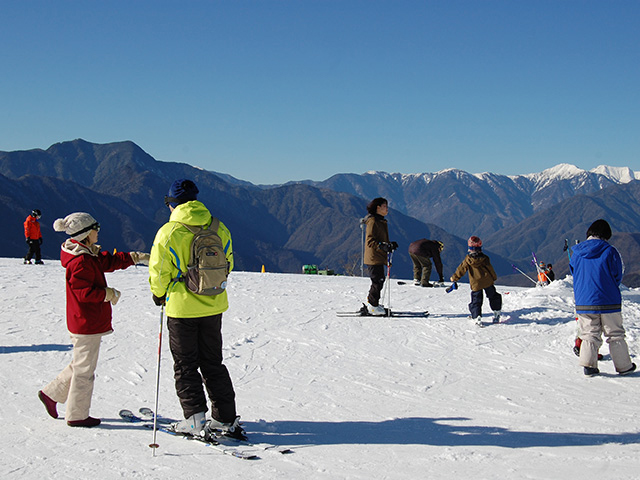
597, 272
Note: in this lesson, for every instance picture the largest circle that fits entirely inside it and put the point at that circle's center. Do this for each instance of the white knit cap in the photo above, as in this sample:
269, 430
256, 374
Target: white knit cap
77, 225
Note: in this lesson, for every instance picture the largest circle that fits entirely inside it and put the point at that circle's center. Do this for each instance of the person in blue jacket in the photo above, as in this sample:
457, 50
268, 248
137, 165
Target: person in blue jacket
597, 271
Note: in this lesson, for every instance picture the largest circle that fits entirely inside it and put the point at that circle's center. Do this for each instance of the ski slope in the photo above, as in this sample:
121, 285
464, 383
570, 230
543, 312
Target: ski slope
355, 398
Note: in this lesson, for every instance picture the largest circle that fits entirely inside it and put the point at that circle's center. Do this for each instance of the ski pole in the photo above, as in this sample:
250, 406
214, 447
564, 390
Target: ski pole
154, 445
516, 268
389, 258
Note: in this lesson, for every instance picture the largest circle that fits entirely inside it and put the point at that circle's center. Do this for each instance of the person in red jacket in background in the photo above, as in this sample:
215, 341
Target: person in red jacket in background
33, 237
89, 301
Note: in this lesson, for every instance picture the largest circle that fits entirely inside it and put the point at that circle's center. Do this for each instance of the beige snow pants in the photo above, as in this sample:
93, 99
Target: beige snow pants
74, 385
592, 326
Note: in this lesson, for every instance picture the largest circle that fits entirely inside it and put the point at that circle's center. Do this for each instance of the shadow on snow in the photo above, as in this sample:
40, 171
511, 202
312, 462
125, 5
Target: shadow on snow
421, 431
47, 347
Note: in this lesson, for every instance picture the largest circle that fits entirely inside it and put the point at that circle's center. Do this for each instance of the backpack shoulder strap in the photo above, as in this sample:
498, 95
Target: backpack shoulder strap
193, 228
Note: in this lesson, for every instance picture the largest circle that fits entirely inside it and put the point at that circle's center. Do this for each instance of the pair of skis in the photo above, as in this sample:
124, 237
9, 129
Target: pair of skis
241, 449
364, 312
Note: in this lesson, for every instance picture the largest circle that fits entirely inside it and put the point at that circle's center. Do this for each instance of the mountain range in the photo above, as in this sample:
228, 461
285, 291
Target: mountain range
482, 203
286, 226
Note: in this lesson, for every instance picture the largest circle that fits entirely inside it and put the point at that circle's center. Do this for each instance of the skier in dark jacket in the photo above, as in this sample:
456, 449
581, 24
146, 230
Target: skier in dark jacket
597, 272
550, 273
421, 252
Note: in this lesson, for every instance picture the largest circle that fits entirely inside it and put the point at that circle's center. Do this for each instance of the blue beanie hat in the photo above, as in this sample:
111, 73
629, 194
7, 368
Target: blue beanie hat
181, 191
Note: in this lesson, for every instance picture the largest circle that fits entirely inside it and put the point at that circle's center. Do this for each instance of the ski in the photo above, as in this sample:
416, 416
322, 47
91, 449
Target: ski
433, 285
503, 319
267, 447
147, 415
393, 313
129, 416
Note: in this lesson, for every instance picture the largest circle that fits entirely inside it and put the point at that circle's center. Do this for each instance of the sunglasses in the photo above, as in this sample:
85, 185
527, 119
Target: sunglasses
169, 200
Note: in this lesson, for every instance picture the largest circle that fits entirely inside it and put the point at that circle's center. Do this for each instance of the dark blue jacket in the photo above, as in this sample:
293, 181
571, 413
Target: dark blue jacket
597, 272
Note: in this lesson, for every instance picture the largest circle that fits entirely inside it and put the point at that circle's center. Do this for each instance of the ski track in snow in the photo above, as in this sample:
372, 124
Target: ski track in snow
354, 397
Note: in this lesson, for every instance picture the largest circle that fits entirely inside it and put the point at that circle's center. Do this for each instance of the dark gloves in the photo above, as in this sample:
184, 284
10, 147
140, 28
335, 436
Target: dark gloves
454, 286
159, 301
388, 247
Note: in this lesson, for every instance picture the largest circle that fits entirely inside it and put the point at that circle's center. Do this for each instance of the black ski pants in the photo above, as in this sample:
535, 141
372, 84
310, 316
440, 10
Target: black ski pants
376, 274
196, 346
34, 250
495, 301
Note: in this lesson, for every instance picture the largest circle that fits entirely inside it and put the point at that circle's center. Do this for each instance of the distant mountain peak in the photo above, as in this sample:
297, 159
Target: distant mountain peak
617, 174
562, 171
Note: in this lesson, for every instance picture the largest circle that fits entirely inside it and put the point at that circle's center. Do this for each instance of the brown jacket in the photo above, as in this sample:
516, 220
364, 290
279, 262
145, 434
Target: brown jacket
377, 232
481, 273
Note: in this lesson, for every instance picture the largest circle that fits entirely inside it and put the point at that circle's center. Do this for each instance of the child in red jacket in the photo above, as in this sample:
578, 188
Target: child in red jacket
89, 301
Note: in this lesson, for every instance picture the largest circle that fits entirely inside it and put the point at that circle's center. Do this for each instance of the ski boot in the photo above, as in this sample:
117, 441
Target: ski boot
192, 425
231, 430
377, 311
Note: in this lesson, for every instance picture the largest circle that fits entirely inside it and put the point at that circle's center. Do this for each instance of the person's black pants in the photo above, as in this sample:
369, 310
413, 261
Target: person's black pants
196, 346
34, 251
376, 274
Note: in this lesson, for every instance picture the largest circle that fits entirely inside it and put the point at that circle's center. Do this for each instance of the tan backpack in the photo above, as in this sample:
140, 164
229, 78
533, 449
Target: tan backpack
208, 269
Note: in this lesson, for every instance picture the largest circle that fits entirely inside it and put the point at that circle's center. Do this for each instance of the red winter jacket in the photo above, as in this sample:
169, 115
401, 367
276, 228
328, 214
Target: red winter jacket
87, 312
32, 228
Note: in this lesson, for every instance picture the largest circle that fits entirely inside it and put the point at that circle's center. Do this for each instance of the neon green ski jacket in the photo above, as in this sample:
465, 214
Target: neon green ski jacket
170, 256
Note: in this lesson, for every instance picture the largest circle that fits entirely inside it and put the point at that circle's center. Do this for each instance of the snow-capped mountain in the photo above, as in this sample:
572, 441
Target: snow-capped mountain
482, 203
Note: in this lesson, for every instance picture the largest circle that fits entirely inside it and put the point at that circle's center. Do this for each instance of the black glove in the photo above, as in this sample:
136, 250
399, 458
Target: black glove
385, 247
159, 301
394, 245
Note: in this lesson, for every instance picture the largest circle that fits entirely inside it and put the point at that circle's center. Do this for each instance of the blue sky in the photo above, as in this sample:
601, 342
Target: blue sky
270, 91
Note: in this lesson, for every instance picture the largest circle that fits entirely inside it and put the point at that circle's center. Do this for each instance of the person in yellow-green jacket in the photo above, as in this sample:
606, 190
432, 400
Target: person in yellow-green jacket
194, 321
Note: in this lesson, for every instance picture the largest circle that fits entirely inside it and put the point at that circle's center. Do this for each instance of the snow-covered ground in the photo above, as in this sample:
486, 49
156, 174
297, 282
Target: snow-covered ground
358, 398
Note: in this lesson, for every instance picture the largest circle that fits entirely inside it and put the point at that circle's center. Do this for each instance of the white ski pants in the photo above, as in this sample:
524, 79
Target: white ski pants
592, 326
74, 385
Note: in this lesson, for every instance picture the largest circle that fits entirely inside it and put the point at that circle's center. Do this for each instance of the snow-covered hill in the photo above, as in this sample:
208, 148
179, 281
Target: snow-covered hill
357, 398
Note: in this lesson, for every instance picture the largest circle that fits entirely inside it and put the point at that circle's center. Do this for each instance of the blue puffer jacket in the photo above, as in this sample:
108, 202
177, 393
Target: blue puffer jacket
597, 271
